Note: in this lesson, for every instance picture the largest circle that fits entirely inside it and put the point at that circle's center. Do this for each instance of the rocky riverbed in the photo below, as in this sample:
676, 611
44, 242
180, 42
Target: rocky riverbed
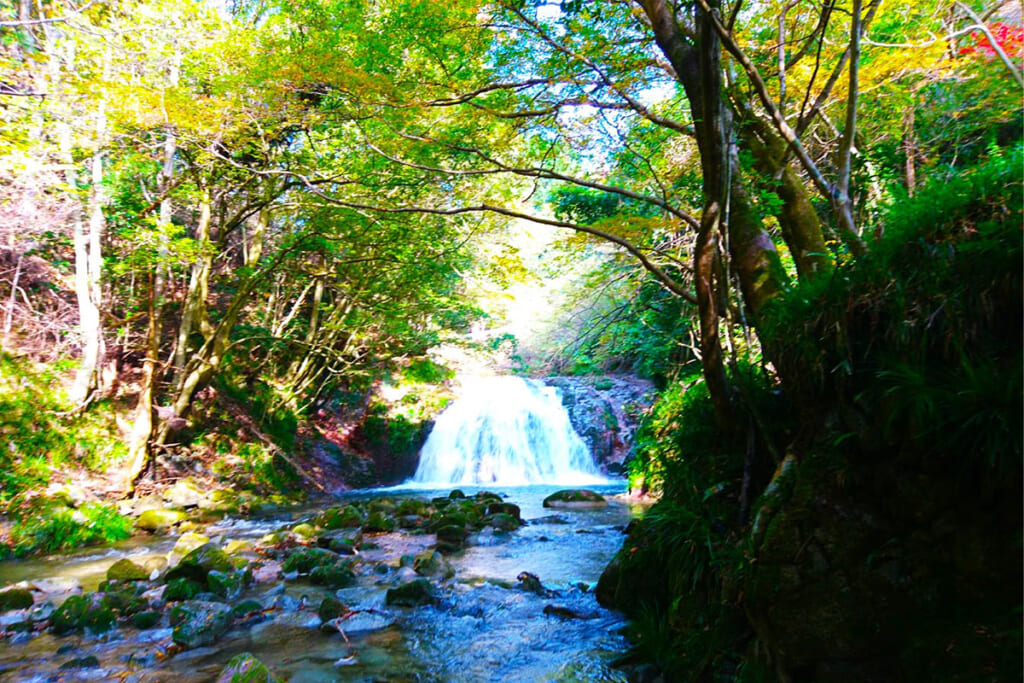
424, 586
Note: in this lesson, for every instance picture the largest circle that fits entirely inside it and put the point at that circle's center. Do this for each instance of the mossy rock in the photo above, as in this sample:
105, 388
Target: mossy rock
70, 615
487, 497
412, 594
433, 564
379, 522
234, 547
337, 575
245, 668
227, 585
15, 598
246, 607
305, 531
159, 520
503, 522
385, 505
331, 608
348, 517
200, 562
186, 493
305, 560
413, 506
126, 570
198, 623
188, 542
145, 620
452, 534
575, 499
343, 542
78, 612
178, 590
450, 518
506, 509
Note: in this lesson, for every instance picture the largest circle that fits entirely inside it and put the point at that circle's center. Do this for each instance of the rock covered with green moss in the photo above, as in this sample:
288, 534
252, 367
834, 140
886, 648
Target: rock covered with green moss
245, 668
575, 499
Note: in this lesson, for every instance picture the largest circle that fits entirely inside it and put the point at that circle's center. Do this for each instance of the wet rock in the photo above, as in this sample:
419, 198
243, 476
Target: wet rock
605, 412
235, 546
304, 531
331, 608
15, 598
337, 575
359, 621
504, 522
181, 589
87, 662
563, 612
451, 537
497, 508
379, 522
185, 493
531, 583
575, 499
413, 506
245, 668
159, 520
227, 585
198, 623
245, 608
145, 620
188, 542
156, 563
201, 561
79, 612
266, 572
346, 517
433, 564
412, 594
305, 560
126, 570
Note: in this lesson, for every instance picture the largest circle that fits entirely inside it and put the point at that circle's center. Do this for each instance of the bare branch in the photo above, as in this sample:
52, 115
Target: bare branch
1011, 67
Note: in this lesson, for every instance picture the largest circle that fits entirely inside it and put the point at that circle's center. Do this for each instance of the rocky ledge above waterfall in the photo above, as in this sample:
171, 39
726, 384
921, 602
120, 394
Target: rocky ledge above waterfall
605, 411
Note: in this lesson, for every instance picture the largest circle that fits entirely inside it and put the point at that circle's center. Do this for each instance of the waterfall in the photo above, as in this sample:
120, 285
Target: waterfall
507, 431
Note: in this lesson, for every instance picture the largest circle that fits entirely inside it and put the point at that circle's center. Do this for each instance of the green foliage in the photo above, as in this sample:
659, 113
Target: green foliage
426, 371
47, 525
686, 555
40, 434
923, 335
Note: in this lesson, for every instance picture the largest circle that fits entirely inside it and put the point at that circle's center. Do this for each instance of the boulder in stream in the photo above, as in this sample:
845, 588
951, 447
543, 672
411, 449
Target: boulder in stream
126, 570
159, 520
245, 668
15, 598
198, 623
433, 564
413, 594
575, 499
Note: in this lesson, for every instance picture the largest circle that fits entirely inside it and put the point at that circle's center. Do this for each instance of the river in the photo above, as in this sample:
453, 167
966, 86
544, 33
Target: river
485, 625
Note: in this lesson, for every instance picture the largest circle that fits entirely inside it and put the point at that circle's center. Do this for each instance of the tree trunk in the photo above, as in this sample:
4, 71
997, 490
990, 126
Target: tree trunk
798, 221
200, 368
139, 452
88, 271
193, 313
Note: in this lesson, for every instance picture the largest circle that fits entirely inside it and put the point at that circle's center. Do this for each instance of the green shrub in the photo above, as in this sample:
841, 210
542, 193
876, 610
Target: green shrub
50, 525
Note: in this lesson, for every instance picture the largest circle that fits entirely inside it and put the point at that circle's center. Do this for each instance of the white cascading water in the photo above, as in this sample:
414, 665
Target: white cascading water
505, 431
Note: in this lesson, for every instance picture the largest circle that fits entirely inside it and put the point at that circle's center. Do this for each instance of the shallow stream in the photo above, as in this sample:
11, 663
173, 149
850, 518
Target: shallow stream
484, 627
